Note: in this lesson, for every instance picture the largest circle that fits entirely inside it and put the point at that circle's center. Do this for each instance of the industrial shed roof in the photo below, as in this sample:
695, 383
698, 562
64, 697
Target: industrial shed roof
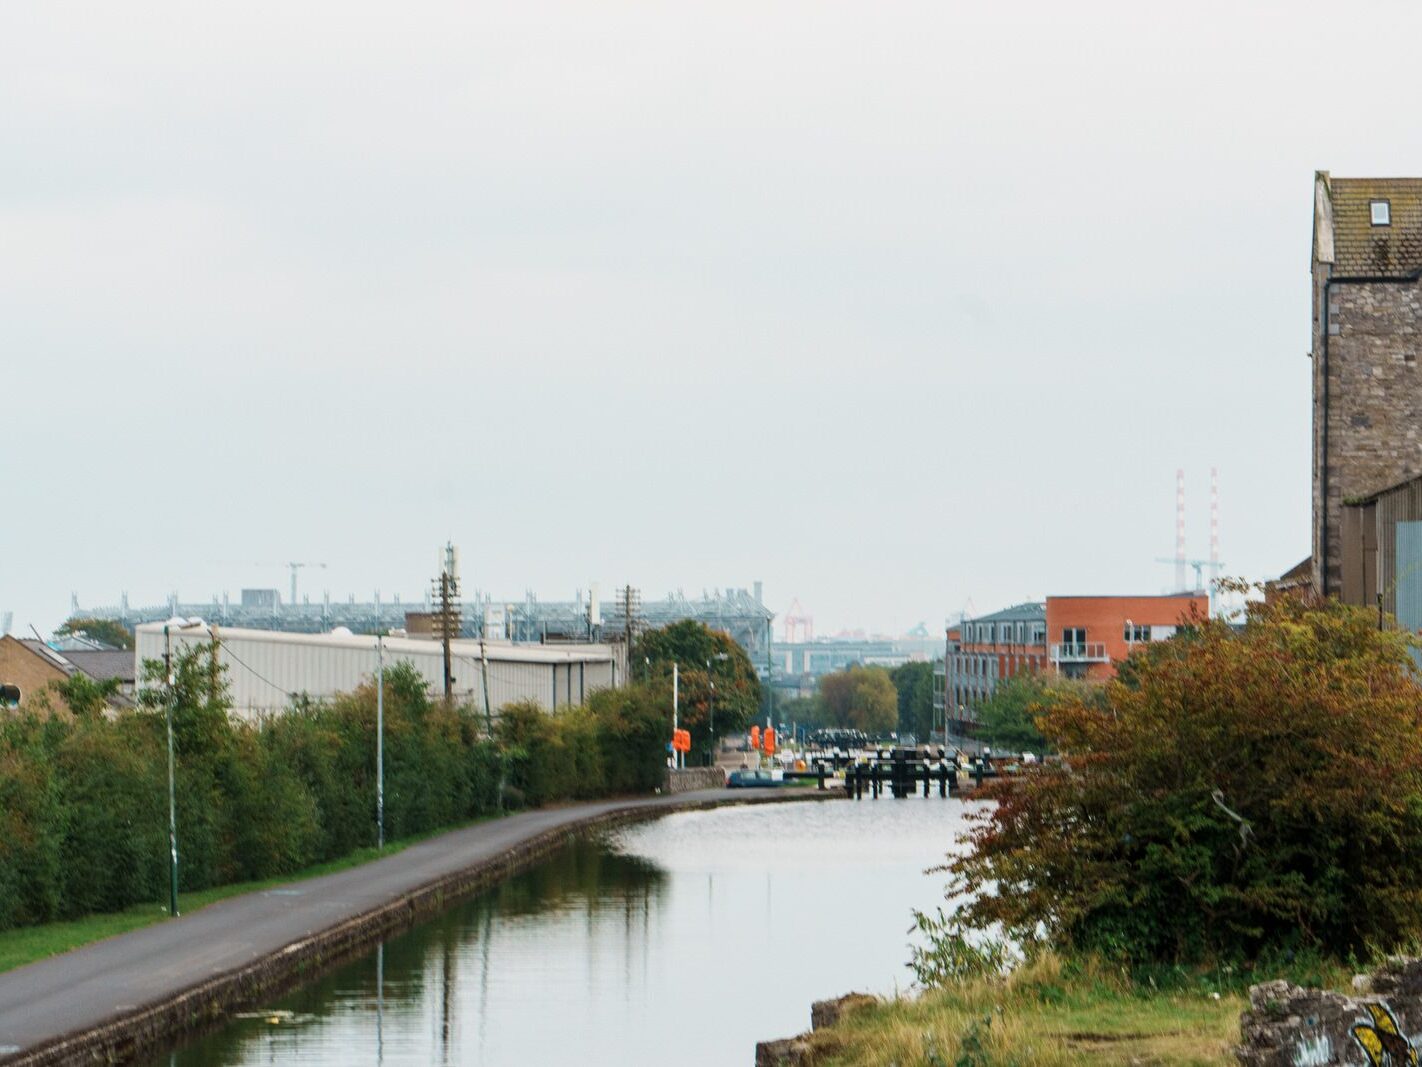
500, 651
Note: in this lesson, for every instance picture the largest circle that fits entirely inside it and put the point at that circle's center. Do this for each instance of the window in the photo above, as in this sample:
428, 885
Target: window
1021, 628
1381, 212
1136, 633
1073, 637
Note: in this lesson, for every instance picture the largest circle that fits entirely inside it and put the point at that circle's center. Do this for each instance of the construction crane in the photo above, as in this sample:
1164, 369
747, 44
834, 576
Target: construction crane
799, 624
1199, 565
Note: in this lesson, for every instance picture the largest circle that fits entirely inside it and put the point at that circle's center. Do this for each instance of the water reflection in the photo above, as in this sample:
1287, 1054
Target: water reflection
700, 932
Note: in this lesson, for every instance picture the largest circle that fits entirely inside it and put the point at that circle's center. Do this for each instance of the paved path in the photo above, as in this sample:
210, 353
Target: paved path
79, 990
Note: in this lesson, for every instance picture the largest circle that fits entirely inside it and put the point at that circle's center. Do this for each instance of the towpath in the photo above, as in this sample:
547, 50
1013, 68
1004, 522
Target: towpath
47, 1008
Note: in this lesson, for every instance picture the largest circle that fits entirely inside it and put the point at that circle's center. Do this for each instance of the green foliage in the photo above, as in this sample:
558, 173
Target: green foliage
1240, 794
84, 696
83, 799
914, 684
860, 698
717, 680
1008, 722
949, 953
106, 631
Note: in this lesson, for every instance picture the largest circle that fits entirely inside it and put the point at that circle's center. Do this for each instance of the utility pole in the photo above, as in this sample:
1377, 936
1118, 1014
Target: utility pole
484, 675
631, 599
446, 591
676, 756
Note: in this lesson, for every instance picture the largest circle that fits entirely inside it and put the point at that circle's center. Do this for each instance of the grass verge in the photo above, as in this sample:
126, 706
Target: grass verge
1048, 1012
30, 943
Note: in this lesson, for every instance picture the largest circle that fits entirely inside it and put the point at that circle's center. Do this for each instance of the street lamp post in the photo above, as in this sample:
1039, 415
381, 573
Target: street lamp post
711, 704
171, 679
379, 741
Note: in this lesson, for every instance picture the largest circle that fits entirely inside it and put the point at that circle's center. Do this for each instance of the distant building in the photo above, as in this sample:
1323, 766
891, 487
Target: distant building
1070, 636
32, 666
267, 669
985, 650
1367, 330
1090, 634
799, 665
740, 613
37, 668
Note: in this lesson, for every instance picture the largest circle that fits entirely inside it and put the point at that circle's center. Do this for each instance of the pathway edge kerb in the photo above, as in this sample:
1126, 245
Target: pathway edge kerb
126, 1036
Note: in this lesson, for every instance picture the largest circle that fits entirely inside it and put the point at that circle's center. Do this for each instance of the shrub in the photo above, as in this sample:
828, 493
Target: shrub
84, 799
1232, 794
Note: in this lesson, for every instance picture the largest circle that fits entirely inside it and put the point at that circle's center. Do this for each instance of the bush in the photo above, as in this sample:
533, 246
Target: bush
84, 799
1008, 721
1232, 794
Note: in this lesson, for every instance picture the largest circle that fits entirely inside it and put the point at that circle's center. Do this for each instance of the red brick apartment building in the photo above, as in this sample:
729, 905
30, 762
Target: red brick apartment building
1072, 636
1089, 634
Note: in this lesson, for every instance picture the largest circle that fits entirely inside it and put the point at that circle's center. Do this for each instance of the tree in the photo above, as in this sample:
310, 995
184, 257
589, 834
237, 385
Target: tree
106, 631
860, 698
914, 685
1008, 720
705, 658
1241, 793
86, 697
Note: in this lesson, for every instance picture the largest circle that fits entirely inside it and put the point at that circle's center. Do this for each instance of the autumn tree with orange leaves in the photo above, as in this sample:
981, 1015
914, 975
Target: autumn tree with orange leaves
1236, 792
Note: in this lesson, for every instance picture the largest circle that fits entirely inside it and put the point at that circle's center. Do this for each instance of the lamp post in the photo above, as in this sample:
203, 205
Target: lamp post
171, 679
380, 743
711, 704
676, 756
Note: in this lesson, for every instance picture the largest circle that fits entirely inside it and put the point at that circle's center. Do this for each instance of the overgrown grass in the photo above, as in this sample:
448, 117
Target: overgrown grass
1052, 1013
31, 943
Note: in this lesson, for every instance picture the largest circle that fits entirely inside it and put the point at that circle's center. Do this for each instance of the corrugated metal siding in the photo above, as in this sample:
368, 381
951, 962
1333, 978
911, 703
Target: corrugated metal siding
264, 673
1400, 505
1408, 585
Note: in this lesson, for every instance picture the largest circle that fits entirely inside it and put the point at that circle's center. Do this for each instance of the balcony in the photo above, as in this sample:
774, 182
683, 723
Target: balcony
1080, 652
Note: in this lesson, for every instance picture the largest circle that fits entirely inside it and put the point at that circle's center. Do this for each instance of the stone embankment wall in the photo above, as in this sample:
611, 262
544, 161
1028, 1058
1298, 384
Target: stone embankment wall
797, 1051
694, 778
1380, 1023
136, 1035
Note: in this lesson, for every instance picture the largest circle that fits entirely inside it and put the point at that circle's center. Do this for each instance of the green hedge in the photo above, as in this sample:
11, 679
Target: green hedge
83, 800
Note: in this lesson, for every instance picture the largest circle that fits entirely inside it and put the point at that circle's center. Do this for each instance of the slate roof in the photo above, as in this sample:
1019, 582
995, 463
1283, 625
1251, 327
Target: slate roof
1361, 249
103, 664
49, 655
1031, 611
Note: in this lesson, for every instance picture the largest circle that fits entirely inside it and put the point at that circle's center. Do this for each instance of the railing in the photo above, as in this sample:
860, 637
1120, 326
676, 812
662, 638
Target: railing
1080, 652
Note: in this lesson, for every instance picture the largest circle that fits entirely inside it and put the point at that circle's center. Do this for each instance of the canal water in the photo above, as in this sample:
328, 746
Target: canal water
684, 940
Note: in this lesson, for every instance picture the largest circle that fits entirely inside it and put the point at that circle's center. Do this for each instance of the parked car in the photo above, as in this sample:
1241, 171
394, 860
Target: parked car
751, 780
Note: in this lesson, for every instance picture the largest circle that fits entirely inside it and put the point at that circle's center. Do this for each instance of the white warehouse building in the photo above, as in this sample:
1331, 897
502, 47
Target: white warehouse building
267, 668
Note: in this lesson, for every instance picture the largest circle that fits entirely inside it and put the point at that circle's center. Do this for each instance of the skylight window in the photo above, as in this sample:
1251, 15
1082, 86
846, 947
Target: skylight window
1382, 212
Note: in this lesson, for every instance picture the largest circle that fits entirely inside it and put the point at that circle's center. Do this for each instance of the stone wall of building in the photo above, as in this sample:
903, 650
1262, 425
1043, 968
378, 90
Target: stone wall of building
1368, 411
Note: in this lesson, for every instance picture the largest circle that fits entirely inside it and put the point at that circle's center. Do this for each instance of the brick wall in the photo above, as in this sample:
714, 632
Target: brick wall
20, 666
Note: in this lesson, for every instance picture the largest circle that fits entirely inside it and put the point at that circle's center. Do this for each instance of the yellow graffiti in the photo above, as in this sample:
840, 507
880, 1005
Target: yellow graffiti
1382, 1039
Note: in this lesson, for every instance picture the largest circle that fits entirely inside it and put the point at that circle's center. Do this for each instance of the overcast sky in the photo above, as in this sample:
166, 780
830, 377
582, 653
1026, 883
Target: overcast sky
897, 307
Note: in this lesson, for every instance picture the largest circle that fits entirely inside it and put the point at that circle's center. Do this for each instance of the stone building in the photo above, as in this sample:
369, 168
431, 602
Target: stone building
1367, 329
